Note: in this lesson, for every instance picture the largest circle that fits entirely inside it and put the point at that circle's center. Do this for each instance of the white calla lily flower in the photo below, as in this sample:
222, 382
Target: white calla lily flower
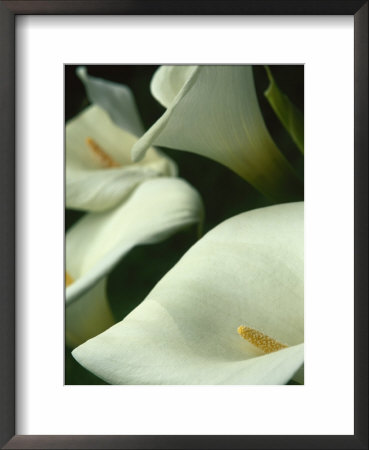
231, 311
214, 111
99, 170
156, 209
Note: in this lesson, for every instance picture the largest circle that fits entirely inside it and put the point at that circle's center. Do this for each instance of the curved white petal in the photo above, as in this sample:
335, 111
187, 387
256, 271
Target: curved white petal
88, 316
99, 169
116, 99
168, 81
157, 209
247, 271
216, 114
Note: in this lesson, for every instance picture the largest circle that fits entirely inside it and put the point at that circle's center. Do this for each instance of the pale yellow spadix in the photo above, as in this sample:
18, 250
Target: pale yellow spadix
260, 340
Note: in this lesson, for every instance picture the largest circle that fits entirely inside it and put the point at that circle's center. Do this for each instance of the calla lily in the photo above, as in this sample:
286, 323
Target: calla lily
229, 312
99, 169
213, 111
156, 209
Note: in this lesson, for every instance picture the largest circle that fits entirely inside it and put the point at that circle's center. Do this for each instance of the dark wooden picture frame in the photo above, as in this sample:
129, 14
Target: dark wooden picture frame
8, 12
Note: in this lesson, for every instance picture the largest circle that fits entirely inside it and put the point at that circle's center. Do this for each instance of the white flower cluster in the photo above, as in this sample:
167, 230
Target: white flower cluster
231, 311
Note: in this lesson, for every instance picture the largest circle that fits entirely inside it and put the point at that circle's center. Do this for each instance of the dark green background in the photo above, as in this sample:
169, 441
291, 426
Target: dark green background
223, 192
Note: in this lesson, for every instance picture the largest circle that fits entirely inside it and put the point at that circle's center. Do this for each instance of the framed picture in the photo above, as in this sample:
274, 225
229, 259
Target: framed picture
226, 311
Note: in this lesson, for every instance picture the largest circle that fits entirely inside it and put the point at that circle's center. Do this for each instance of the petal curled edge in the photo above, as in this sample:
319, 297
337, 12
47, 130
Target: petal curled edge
168, 81
216, 114
116, 99
90, 185
246, 271
157, 209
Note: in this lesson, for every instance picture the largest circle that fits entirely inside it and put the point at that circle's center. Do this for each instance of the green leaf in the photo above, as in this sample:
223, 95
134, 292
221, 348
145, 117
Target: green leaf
290, 116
